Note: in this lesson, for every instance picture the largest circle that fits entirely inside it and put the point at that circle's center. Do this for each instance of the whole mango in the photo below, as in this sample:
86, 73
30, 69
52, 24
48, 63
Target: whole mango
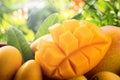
72, 49
10, 61
30, 70
105, 75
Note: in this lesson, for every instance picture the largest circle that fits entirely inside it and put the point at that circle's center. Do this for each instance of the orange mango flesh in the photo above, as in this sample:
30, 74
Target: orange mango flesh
35, 43
75, 48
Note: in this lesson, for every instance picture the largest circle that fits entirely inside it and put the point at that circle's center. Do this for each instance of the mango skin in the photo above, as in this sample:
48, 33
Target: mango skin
10, 61
111, 61
30, 70
105, 75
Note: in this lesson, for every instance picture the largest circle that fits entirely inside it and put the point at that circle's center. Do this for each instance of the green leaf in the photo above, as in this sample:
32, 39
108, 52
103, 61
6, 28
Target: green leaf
49, 21
100, 12
16, 38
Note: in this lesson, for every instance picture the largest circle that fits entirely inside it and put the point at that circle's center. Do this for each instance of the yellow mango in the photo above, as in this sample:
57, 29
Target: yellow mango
30, 70
10, 61
105, 75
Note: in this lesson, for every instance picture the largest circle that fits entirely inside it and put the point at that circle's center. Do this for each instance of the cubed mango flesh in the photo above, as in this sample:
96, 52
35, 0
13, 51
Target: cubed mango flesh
75, 48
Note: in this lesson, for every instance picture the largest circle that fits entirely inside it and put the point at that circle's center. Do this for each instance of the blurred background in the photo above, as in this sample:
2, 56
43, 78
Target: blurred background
28, 15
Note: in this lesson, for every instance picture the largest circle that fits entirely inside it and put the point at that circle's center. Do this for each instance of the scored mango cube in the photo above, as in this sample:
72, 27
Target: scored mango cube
56, 30
70, 25
83, 39
69, 38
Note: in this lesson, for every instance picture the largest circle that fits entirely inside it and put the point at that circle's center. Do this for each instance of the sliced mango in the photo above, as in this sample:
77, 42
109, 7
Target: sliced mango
69, 38
76, 48
56, 30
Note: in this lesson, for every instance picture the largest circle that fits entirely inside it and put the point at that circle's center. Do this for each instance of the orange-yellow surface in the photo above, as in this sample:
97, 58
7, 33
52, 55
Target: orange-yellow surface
10, 61
72, 49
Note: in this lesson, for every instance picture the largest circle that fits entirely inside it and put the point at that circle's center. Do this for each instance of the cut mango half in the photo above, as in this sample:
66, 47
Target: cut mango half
75, 48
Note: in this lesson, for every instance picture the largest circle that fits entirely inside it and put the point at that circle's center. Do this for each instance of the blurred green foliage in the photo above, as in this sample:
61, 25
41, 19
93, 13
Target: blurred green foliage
7, 7
101, 12
39, 12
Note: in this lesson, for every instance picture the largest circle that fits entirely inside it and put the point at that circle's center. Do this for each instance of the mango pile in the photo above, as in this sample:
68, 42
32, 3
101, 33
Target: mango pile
71, 51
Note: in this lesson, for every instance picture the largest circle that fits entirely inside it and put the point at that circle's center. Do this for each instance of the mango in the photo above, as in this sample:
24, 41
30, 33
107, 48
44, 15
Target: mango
74, 48
105, 75
30, 70
34, 44
10, 61
111, 61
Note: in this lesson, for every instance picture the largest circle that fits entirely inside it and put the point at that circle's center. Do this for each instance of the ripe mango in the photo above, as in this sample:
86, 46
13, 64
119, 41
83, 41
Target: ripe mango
73, 49
105, 75
10, 61
111, 61
30, 70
